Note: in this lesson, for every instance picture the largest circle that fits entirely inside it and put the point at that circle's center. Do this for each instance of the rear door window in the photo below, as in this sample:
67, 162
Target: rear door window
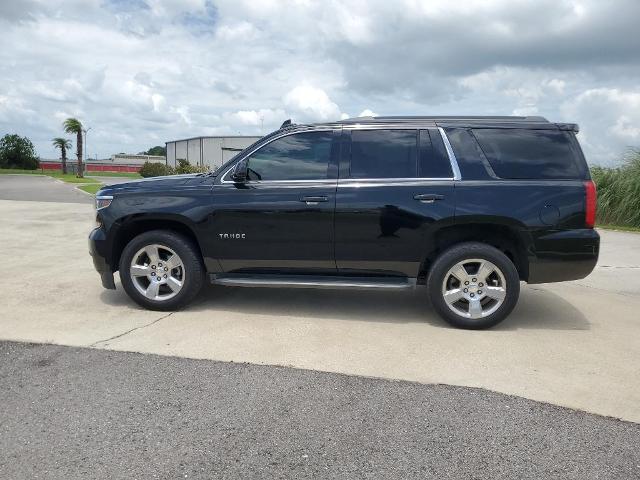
529, 154
433, 159
383, 153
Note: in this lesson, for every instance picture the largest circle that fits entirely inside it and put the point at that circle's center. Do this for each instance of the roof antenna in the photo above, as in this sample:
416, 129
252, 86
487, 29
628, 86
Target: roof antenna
286, 123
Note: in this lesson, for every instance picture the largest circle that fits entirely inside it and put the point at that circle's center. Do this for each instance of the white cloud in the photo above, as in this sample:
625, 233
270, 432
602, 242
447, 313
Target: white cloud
610, 116
311, 104
367, 113
142, 72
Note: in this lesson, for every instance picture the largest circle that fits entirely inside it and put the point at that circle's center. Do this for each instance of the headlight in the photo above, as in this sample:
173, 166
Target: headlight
103, 201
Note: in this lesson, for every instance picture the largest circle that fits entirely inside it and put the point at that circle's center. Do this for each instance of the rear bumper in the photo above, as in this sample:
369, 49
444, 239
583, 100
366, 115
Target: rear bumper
97, 249
565, 255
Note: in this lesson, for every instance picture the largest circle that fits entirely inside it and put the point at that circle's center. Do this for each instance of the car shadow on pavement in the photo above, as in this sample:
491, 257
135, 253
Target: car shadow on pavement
538, 308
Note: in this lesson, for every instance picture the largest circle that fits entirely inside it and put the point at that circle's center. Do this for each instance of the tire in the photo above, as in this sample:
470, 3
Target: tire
161, 270
451, 297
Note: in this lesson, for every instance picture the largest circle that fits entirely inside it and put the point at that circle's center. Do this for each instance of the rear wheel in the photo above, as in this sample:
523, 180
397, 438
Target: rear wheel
473, 285
161, 270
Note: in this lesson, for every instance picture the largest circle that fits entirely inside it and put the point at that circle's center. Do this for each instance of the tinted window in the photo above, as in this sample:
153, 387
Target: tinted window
383, 153
302, 156
433, 159
518, 153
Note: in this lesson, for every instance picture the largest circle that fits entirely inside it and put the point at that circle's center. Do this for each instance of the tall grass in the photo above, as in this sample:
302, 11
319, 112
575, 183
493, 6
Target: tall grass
619, 192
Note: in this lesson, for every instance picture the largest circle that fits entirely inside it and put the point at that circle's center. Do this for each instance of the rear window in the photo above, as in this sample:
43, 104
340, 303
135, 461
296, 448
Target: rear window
528, 154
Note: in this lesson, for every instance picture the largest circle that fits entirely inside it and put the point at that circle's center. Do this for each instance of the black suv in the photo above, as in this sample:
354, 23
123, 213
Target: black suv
468, 206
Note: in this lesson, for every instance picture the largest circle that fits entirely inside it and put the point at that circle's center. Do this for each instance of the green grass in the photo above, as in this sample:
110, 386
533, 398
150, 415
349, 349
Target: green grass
92, 188
69, 177
8, 171
115, 174
619, 193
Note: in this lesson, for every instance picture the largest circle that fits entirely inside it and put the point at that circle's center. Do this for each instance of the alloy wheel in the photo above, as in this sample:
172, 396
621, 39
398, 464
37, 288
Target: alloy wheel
474, 288
157, 272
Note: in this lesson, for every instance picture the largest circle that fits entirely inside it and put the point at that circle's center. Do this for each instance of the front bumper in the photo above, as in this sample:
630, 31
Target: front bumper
97, 249
564, 255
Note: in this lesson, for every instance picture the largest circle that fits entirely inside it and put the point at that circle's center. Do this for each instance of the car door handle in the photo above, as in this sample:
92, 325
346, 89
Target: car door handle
313, 200
428, 197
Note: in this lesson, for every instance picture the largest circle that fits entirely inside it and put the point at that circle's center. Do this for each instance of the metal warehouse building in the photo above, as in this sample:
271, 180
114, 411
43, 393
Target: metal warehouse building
207, 151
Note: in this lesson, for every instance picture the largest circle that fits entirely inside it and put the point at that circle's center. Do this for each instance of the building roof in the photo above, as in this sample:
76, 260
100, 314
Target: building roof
212, 136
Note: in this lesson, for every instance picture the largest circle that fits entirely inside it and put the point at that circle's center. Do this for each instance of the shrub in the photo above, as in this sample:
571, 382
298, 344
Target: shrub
155, 169
18, 152
185, 167
619, 192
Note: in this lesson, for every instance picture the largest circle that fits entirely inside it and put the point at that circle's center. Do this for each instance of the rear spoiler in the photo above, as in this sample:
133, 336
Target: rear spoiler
569, 127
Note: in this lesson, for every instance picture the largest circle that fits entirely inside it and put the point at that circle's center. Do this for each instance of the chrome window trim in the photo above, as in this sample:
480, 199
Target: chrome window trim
390, 182
285, 134
369, 181
322, 181
452, 156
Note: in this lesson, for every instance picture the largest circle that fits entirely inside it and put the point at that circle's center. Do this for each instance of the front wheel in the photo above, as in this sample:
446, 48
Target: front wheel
473, 285
161, 270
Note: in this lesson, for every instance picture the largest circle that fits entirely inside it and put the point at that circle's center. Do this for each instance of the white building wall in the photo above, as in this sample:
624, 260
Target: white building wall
171, 153
211, 152
181, 150
193, 151
208, 151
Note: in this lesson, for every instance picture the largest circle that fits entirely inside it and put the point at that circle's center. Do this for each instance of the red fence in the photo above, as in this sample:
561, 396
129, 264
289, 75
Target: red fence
91, 167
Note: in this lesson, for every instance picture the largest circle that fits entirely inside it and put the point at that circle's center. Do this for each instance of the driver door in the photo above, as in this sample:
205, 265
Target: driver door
280, 220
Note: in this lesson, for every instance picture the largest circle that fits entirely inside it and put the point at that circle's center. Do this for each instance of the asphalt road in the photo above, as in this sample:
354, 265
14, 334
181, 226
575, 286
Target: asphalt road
39, 188
80, 413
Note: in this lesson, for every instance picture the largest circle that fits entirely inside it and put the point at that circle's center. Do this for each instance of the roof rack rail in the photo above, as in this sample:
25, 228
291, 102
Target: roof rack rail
467, 118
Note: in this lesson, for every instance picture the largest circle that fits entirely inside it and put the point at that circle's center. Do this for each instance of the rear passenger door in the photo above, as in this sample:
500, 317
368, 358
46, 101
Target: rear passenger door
395, 186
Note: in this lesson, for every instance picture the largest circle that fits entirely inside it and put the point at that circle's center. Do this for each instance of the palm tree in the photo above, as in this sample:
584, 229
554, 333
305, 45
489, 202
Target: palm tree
73, 125
63, 144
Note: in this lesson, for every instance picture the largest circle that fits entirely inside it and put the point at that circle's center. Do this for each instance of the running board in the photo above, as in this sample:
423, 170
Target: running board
311, 281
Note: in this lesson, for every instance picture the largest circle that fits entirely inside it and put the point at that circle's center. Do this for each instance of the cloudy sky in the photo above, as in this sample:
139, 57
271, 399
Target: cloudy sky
142, 72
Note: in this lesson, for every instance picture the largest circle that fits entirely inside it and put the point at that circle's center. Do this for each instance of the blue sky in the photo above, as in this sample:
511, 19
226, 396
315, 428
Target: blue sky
142, 72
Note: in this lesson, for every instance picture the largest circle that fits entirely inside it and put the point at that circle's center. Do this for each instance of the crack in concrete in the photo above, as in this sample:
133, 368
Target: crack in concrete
615, 266
624, 294
94, 344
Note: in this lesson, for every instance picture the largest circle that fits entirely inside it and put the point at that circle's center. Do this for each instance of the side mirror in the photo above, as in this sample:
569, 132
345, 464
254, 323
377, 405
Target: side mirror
239, 174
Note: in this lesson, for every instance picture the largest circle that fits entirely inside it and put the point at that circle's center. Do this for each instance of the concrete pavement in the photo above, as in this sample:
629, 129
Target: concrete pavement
77, 413
39, 188
574, 344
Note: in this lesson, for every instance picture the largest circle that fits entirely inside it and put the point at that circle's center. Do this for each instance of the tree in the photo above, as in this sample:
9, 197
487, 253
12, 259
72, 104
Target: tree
73, 125
157, 150
17, 152
63, 144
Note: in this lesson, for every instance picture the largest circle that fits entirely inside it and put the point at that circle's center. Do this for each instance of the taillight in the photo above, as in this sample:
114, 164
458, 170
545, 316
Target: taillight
590, 204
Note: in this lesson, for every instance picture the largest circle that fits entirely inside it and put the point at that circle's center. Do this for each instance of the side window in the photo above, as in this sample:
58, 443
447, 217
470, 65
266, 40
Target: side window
532, 154
433, 160
383, 153
301, 156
